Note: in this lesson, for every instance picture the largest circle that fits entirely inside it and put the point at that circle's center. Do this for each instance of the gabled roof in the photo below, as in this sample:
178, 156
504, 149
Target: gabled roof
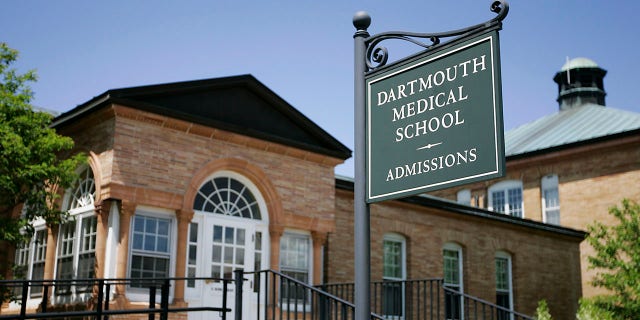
570, 126
239, 104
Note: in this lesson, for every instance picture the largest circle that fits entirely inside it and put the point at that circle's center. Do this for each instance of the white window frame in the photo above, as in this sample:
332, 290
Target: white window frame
507, 257
32, 253
464, 197
79, 236
454, 247
550, 183
504, 187
300, 235
396, 238
142, 294
79, 202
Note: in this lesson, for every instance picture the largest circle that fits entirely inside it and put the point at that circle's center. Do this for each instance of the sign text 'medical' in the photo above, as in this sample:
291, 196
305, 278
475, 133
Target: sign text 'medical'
434, 122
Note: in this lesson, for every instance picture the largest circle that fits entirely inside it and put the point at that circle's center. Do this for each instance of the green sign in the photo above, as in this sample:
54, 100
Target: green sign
435, 121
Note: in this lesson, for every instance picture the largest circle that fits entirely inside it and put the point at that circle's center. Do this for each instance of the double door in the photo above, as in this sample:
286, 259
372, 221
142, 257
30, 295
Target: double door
226, 245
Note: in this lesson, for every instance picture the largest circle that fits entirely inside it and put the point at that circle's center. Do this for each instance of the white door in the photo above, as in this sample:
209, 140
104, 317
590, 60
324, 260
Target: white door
226, 245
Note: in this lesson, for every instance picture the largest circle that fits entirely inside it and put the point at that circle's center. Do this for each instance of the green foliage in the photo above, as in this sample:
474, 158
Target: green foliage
542, 311
32, 163
590, 310
617, 259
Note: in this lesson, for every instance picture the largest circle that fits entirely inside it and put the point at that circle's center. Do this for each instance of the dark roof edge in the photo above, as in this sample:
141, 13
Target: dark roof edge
345, 183
338, 150
573, 144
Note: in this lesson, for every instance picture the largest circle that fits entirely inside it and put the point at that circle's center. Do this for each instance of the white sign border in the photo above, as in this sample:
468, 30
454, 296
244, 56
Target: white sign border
371, 198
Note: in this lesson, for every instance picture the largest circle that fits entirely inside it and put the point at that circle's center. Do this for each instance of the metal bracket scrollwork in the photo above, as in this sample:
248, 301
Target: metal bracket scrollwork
377, 56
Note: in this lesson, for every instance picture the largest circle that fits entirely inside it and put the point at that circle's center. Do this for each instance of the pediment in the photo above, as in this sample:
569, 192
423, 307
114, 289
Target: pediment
240, 104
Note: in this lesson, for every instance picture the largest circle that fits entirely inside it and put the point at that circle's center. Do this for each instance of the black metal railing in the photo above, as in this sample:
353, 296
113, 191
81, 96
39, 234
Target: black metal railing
284, 297
96, 304
464, 306
424, 299
272, 295
409, 299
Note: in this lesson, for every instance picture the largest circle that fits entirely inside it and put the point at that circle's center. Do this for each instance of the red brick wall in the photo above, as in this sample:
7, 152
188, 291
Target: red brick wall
545, 265
592, 179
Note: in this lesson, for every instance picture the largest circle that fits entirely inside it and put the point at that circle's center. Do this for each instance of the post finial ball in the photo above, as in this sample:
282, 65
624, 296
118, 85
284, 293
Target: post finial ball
361, 20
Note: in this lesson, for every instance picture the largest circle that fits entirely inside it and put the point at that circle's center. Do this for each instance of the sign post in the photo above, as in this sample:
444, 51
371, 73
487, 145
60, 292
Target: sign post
362, 295
432, 120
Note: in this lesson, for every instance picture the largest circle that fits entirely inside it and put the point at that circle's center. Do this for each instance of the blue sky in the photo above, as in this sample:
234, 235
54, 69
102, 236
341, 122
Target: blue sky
303, 50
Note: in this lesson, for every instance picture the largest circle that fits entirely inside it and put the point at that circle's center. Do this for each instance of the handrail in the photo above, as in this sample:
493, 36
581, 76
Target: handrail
413, 294
100, 297
321, 297
486, 303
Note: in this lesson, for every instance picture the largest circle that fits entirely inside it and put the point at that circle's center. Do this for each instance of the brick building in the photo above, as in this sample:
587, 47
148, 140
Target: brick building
198, 178
570, 167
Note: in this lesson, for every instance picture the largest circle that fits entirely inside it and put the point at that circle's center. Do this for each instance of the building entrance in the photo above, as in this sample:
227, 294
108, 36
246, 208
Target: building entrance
227, 233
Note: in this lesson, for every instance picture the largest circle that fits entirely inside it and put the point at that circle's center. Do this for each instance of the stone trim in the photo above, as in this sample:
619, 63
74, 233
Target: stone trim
252, 172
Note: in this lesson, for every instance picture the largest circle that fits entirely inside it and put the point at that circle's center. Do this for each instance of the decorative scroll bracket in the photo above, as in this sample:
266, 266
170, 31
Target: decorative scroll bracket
377, 56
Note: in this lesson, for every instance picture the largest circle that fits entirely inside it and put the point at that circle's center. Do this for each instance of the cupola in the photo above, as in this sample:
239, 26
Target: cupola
580, 82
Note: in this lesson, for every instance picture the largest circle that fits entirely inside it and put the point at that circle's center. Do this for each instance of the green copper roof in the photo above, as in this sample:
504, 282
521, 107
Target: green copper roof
569, 126
579, 63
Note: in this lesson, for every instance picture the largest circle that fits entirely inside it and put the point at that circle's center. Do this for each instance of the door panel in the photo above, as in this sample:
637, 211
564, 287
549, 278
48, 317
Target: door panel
227, 246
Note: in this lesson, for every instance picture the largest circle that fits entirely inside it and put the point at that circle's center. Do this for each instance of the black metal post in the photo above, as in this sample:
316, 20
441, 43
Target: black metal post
99, 299
164, 299
225, 290
239, 277
152, 302
362, 250
45, 298
25, 295
106, 299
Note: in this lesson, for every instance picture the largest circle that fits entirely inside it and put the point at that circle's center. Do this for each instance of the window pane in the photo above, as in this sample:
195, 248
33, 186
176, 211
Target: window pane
515, 202
138, 224
551, 204
150, 248
498, 201
451, 268
240, 237
192, 255
193, 232
452, 280
217, 234
227, 196
162, 244
502, 274
503, 285
150, 226
392, 263
294, 262
137, 241
553, 217
392, 300
228, 235
216, 254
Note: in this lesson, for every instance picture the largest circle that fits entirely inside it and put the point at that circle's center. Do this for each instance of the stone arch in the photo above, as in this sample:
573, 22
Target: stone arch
243, 167
96, 167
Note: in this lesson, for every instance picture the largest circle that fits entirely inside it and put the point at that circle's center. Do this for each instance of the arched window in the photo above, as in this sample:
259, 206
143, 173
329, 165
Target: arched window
227, 196
504, 288
83, 192
75, 257
506, 197
453, 279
